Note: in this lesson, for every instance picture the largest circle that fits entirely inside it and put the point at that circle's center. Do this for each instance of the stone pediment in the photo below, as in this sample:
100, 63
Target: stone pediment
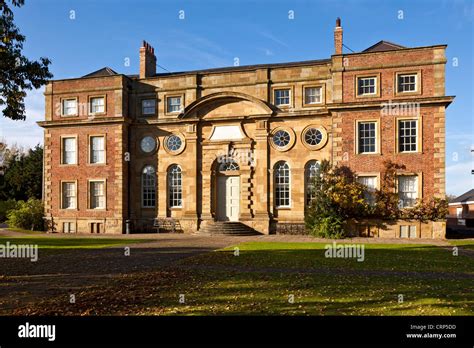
226, 104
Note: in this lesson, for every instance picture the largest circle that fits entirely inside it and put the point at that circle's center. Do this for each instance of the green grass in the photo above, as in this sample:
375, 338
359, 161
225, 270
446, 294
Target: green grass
260, 280
70, 243
466, 244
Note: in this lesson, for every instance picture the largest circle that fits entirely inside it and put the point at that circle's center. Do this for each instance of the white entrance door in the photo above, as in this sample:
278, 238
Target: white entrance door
228, 198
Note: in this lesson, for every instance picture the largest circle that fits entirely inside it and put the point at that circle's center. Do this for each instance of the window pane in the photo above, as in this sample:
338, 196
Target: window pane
68, 195
148, 106
97, 195
282, 184
174, 104
69, 150
175, 189
407, 190
312, 95
367, 138
97, 150
407, 135
97, 105
282, 97
148, 187
366, 85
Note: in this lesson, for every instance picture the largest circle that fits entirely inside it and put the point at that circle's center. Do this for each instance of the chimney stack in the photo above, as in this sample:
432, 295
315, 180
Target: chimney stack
338, 37
147, 61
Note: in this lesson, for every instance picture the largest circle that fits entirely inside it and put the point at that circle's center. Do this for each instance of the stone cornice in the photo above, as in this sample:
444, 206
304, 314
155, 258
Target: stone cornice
83, 122
445, 100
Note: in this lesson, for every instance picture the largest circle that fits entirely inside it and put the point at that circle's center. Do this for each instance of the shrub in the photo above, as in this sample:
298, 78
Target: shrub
27, 215
5, 207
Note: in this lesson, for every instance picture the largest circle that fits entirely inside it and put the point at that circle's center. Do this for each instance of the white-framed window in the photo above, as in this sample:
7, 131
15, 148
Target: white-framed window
459, 212
173, 104
367, 85
97, 105
69, 107
282, 176
69, 149
97, 194
68, 193
175, 187
406, 83
407, 190
69, 227
311, 170
407, 135
282, 96
367, 137
370, 182
97, 149
312, 95
148, 187
148, 106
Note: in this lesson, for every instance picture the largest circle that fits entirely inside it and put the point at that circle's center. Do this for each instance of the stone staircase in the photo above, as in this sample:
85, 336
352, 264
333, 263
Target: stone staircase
227, 228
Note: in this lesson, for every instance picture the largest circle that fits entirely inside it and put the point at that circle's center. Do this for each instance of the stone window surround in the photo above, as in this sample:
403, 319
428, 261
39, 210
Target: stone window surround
323, 94
141, 100
61, 147
419, 133
180, 150
290, 131
419, 84
174, 113
61, 101
291, 96
89, 147
89, 103
377, 137
61, 182
323, 142
377, 77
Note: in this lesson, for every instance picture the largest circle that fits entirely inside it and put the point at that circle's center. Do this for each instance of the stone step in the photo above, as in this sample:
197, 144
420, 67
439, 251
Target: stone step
227, 228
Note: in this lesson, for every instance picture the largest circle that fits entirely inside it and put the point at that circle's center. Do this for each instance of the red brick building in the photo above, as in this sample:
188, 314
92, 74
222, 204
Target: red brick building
461, 213
239, 144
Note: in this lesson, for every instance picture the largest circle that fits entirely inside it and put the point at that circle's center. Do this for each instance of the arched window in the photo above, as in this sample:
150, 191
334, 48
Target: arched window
148, 187
175, 187
228, 166
310, 173
282, 184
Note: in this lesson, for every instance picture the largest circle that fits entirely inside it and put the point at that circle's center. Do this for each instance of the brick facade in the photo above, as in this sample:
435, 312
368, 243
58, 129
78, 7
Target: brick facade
241, 103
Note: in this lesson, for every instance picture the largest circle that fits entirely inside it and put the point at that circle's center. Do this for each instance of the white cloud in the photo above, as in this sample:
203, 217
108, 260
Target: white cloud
459, 178
25, 133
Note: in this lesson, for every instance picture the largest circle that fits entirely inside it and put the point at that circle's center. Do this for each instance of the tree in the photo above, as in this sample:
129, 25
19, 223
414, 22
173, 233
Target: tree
17, 73
337, 198
23, 176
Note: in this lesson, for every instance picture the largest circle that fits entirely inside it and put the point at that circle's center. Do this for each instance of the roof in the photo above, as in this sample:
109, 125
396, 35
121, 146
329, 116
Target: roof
465, 197
102, 72
384, 46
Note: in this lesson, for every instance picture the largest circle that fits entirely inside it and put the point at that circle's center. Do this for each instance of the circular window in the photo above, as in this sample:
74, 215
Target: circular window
282, 139
174, 144
148, 144
314, 137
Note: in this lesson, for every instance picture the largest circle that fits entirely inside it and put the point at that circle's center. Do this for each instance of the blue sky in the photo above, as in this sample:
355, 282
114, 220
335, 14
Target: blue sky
214, 33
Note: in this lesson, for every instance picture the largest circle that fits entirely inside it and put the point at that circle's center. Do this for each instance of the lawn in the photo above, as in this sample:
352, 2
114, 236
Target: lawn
289, 279
466, 244
43, 242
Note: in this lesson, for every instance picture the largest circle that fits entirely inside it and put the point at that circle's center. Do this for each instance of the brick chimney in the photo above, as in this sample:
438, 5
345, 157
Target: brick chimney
147, 60
338, 37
